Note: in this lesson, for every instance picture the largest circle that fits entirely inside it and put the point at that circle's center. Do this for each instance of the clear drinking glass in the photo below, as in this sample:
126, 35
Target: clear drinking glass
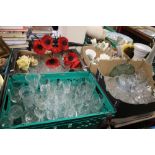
39, 113
90, 85
40, 101
14, 95
44, 88
33, 80
30, 117
50, 114
67, 86
27, 95
5, 122
16, 112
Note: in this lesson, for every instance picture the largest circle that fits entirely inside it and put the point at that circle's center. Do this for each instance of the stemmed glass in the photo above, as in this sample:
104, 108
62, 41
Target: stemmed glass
5, 122
33, 80
50, 114
39, 113
27, 95
30, 117
16, 112
14, 95
40, 101
67, 86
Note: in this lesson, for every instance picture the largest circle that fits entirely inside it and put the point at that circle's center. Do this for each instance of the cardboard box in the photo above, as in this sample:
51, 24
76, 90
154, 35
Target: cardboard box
91, 66
125, 109
106, 66
4, 49
5, 54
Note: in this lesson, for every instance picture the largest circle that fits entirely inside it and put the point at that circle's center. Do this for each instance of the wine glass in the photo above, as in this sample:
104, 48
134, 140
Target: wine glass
30, 117
39, 113
27, 95
33, 80
14, 95
16, 112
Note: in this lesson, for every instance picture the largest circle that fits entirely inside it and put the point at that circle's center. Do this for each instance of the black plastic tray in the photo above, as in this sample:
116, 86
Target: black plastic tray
14, 57
124, 109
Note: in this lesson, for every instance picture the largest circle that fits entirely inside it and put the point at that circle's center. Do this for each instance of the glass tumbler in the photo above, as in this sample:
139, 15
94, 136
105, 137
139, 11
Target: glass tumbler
16, 112
14, 95
27, 95
33, 80
31, 117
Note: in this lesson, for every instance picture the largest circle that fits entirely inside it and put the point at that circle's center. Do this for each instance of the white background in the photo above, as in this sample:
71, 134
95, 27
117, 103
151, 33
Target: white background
77, 13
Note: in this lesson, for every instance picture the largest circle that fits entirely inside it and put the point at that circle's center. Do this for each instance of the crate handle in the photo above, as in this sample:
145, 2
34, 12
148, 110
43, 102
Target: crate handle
6, 103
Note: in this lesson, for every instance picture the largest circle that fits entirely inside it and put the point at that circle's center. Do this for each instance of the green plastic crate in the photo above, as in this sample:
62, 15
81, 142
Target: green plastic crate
84, 121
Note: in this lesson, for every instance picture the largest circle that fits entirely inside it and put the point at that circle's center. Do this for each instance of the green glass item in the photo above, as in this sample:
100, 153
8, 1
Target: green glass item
122, 69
